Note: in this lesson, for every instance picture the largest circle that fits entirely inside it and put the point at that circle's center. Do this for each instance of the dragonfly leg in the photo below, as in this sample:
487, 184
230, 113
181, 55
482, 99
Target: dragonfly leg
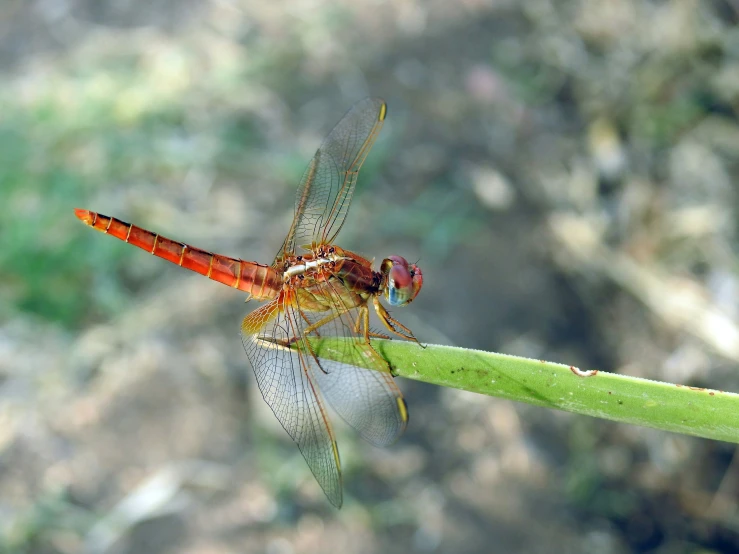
320, 323
391, 323
362, 317
376, 335
311, 326
363, 321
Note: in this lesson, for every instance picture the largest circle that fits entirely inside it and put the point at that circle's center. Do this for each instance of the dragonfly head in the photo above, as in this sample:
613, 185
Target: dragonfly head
402, 280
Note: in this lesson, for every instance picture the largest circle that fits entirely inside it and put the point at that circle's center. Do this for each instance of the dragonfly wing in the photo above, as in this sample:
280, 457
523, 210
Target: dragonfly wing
367, 399
286, 380
326, 188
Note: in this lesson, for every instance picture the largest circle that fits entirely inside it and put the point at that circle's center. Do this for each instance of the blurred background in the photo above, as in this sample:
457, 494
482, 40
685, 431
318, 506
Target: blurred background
564, 171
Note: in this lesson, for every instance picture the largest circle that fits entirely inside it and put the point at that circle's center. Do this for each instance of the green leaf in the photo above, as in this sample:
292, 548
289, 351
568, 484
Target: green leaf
706, 413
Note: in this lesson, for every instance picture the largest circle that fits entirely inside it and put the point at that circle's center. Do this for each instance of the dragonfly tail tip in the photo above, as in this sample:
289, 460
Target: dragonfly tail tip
83, 215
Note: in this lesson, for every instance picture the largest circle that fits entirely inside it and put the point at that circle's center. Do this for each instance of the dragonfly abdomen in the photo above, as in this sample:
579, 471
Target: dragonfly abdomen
261, 281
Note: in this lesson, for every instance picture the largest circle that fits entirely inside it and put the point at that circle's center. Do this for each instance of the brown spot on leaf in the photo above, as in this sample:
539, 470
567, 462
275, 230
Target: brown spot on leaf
580, 373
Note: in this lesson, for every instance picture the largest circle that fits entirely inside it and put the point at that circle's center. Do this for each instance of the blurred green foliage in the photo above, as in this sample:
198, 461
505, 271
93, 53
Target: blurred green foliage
39, 184
106, 127
52, 517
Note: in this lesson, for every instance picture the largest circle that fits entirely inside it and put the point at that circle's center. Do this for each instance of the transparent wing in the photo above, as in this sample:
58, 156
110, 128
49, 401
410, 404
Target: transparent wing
367, 399
287, 385
326, 188
295, 383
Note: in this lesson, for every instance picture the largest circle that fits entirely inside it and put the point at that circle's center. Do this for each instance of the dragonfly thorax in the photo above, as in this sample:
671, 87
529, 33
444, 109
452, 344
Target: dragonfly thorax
327, 263
308, 266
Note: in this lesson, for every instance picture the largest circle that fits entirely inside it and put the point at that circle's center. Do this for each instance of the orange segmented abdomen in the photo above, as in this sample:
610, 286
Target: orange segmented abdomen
261, 281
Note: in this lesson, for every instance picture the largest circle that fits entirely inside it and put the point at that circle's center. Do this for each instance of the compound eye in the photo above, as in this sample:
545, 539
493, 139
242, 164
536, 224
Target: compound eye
403, 280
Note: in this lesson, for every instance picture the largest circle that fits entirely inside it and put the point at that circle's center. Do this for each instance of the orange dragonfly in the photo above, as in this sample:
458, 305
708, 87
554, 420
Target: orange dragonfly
313, 289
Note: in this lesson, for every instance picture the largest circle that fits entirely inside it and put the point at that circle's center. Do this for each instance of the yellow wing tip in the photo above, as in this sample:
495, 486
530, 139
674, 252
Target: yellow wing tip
402, 409
383, 112
335, 447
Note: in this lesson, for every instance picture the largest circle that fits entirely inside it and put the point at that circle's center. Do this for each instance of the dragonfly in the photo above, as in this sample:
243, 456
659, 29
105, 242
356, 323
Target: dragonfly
314, 290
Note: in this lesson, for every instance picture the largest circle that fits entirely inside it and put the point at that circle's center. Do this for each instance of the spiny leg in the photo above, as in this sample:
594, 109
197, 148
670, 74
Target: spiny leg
363, 321
308, 329
361, 318
376, 335
311, 328
390, 322
321, 322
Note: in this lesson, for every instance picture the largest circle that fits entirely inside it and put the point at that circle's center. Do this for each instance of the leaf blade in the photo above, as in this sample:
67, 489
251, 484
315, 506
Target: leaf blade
705, 413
